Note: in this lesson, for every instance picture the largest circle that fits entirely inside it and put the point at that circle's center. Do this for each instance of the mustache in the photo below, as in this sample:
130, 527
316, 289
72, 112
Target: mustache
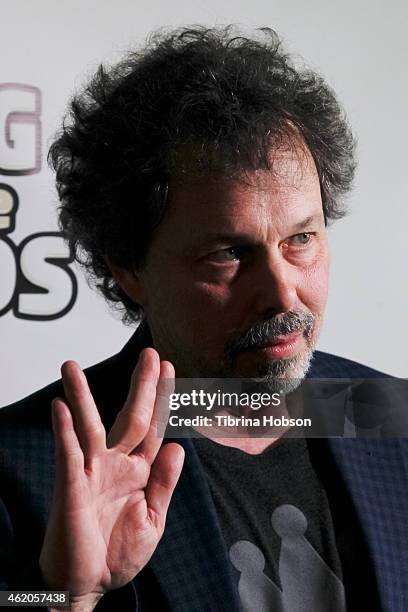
265, 331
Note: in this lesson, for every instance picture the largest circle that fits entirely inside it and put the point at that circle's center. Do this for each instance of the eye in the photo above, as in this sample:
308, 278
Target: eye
301, 239
225, 255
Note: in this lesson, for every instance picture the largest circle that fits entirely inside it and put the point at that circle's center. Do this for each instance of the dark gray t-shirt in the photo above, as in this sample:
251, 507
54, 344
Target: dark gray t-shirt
289, 551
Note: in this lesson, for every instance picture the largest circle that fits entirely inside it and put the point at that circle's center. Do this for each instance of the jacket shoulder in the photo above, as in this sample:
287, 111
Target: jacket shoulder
34, 410
108, 380
326, 365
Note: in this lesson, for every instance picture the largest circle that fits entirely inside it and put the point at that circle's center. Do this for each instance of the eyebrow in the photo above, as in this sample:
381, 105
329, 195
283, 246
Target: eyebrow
306, 222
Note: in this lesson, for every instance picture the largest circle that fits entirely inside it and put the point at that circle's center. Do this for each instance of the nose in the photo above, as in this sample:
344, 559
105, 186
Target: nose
274, 287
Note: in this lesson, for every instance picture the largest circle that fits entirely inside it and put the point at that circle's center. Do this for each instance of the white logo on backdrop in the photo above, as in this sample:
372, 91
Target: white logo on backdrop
37, 282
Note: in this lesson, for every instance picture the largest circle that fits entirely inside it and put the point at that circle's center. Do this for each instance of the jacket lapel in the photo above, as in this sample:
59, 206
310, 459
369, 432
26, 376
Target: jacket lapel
375, 473
191, 562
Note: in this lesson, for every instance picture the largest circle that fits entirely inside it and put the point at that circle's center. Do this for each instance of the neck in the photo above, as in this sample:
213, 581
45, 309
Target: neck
246, 431
252, 446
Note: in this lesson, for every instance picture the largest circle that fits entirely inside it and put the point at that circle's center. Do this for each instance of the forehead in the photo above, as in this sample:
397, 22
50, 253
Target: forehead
290, 187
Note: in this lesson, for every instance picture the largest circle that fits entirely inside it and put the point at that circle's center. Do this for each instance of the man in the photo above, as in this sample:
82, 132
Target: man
196, 180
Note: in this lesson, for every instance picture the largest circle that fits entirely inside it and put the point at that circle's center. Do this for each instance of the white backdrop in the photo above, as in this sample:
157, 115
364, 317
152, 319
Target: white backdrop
51, 47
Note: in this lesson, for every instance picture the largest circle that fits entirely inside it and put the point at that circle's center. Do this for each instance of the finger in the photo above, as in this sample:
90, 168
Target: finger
151, 443
164, 475
87, 421
132, 422
68, 452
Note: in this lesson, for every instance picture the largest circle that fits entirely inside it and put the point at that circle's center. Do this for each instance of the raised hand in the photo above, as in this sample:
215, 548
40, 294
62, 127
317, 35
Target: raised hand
111, 495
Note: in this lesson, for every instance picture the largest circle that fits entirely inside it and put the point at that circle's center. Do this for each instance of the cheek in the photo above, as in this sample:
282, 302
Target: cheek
205, 312
214, 296
210, 311
314, 287
195, 306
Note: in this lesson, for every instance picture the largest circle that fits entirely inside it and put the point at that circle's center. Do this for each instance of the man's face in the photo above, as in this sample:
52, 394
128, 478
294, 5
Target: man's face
235, 280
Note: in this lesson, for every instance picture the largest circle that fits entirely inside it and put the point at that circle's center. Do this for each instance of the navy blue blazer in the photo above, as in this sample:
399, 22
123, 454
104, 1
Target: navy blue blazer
190, 569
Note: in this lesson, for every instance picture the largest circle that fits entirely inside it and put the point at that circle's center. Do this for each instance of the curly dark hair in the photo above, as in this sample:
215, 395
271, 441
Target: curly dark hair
229, 98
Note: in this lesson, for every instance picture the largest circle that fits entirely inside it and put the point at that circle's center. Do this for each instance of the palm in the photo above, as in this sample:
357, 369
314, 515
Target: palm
117, 530
111, 497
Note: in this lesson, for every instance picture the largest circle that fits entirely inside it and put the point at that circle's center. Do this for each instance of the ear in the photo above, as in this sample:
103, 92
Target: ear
129, 281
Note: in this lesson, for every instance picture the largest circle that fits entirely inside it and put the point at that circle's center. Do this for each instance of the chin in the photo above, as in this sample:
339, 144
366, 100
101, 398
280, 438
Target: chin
280, 375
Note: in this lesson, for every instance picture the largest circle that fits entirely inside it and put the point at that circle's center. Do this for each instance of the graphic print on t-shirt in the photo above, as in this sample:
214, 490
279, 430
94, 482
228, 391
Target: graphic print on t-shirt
307, 582
286, 518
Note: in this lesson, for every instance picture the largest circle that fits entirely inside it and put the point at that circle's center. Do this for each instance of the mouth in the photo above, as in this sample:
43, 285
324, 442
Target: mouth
279, 347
